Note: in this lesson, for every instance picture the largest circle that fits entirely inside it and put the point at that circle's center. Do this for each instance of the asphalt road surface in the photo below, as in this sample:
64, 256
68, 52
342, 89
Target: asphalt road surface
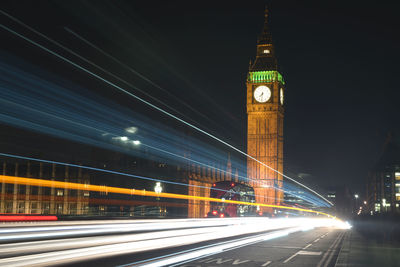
184, 242
318, 247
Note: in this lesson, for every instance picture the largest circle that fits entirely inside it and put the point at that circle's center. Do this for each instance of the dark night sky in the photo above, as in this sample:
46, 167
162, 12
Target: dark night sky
339, 60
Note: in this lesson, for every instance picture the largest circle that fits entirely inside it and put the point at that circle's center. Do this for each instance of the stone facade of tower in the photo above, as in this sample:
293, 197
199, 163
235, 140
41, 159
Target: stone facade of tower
265, 113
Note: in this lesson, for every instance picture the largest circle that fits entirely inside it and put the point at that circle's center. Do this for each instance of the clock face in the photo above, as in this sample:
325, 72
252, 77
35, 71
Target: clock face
262, 94
281, 96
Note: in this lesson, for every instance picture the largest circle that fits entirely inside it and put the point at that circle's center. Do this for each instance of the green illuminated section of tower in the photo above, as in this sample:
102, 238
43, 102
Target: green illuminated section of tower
265, 76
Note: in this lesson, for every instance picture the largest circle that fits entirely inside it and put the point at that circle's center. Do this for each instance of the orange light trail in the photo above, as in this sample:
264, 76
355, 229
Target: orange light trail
127, 191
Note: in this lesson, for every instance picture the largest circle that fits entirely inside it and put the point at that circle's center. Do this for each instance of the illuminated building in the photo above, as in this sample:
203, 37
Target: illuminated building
265, 113
383, 185
28, 199
201, 180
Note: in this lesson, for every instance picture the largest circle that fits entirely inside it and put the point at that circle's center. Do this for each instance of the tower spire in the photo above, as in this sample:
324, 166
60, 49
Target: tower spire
266, 15
265, 37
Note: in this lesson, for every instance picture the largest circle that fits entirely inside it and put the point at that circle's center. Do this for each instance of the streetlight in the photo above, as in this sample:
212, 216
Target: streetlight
136, 142
158, 190
356, 196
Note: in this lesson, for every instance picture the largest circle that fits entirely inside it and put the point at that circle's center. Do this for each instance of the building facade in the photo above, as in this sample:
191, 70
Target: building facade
383, 183
265, 113
200, 180
26, 199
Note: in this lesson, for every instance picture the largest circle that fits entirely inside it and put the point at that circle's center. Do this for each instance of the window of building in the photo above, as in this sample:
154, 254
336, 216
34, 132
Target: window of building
397, 175
377, 207
34, 207
266, 51
46, 191
60, 193
21, 207
73, 207
34, 190
8, 207
59, 208
46, 207
9, 188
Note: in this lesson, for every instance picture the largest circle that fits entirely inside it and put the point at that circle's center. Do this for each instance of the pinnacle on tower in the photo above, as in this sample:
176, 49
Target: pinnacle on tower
265, 37
265, 57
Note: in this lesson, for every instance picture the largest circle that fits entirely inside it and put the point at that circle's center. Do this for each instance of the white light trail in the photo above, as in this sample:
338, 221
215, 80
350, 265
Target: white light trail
181, 232
155, 107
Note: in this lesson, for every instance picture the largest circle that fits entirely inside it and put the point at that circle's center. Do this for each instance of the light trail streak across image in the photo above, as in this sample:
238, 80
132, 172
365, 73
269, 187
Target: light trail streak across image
135, 236
128, 191
130, 175
91, 73
62, 113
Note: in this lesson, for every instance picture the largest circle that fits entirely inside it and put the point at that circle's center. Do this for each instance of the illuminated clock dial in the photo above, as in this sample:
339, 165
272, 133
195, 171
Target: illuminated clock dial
262, 94
281, 96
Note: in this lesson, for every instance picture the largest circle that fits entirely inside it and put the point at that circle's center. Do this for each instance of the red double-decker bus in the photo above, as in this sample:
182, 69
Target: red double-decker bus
232, 191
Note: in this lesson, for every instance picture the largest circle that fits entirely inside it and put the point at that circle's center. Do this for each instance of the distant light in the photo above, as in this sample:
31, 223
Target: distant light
266, 51
131, 130
121, 138
232, 184
158, 188
356, 195
136, 142
214, 212
365, 202
222, 215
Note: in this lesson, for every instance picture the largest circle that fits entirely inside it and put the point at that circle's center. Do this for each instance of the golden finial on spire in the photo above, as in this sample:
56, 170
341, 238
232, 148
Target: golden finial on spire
266, 13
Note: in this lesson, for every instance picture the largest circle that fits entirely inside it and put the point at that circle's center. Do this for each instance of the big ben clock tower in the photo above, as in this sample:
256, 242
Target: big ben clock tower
265, 113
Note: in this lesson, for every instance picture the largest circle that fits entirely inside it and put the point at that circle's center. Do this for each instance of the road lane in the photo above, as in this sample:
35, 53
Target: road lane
166, 242
317, 247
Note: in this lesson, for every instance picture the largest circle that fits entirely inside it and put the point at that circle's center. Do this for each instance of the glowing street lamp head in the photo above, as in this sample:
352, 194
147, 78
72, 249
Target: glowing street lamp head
356, 195
136, 142
158, 188
131, 130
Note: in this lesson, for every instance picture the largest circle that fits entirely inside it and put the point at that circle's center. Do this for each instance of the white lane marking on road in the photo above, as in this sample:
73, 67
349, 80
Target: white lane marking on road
219, 260
316, 240
329, 250
307, 246
333, 251
303, 252
236, 262
313, 253
285, 247
267, 263
291, 257
206, 259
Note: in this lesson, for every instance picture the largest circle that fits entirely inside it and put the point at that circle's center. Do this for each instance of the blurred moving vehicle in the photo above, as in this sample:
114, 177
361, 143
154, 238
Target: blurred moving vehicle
232, 191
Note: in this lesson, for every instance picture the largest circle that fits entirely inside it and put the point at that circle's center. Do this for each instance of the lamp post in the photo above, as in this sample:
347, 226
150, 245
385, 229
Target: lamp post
356, 196
158, 189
